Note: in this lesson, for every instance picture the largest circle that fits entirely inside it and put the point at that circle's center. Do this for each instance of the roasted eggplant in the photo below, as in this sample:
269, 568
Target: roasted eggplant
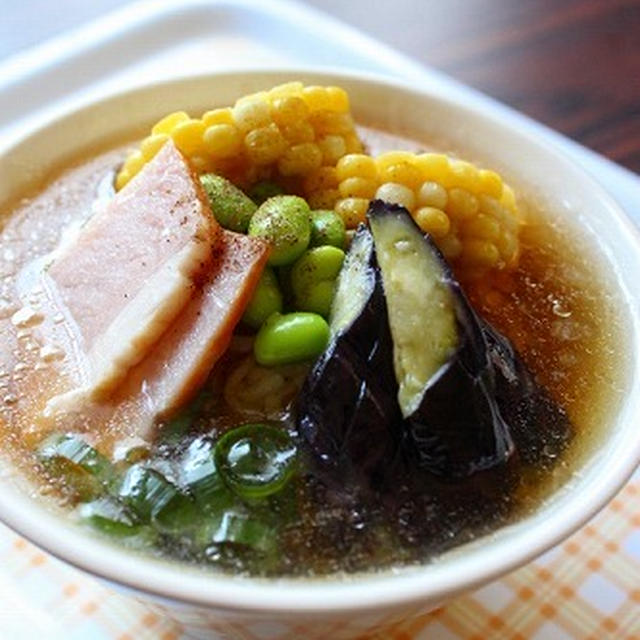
413, 378
347, 412
442, 361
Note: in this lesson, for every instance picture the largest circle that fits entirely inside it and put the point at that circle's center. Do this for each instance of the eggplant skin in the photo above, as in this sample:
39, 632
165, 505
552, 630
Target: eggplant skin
539, 426
347, 413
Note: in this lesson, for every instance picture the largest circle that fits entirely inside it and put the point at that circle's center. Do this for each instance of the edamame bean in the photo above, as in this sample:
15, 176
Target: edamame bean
313, 278
292, 337
266, 300
230, 206
327, 227
264, 190
284, 222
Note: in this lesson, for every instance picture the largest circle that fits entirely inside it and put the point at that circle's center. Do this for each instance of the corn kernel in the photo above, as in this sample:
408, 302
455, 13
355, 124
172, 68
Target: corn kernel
450, 246
480, 253
285, 89
317, 98
356, 165
322, 178
507, 245
323, 198
353, 143
490, 183
217, 116
298, 132
188, 137
435, 167
388, 158
432, 194
152, 144
483, 227
333, 148
395, 193
301, 159
265, 144
289, 109
134, 162
433, 221
328, 122
506, 218
222, 140
462, 204
358, 188
464, 175
258, 96
508, 198
338, 100
251, 113
352, 211
404, 173
167, 123
122, 178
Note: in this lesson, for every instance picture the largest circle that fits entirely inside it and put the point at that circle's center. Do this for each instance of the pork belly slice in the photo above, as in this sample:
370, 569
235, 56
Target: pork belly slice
130, 271
180, 363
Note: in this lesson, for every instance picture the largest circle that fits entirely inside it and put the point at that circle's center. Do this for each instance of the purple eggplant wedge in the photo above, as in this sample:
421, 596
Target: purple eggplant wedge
467, 400
413, 379
347, 413
446, 378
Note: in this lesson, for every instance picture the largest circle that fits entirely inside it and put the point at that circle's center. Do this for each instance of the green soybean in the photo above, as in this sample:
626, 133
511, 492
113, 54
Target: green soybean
230, 206
267, 299
264, 190
283, 221
292, 337
313, 279
327, 227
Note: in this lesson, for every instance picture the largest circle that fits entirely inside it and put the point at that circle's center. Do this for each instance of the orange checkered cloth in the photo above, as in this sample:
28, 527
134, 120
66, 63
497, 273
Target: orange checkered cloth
587, 588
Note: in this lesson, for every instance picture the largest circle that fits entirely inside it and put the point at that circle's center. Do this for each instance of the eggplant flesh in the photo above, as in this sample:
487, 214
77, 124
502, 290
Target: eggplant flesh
347, 413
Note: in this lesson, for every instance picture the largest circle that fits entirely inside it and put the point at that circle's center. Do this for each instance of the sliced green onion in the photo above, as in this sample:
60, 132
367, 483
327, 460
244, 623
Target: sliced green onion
150, 495
76, 450
82, 468
255, 460
200, 477
111, 517
239, 528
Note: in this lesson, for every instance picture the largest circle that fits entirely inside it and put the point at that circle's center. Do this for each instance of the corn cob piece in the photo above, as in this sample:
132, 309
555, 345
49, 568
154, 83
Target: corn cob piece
284, 134
471, 213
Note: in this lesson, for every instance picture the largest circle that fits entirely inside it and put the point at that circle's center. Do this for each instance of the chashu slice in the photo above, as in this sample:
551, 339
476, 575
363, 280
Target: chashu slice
179, 363
130, 271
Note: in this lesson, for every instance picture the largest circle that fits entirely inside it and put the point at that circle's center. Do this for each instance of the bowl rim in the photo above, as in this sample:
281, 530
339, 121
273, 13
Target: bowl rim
435, 581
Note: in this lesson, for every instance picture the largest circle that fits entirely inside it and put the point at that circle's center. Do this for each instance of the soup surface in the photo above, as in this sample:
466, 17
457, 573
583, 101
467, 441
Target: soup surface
555, 307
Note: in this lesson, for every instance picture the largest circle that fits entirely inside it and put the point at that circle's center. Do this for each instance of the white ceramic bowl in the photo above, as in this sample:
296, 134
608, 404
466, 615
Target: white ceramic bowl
250, 608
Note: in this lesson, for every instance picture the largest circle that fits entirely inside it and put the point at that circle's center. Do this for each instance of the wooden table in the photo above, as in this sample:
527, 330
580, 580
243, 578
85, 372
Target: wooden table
572, 64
